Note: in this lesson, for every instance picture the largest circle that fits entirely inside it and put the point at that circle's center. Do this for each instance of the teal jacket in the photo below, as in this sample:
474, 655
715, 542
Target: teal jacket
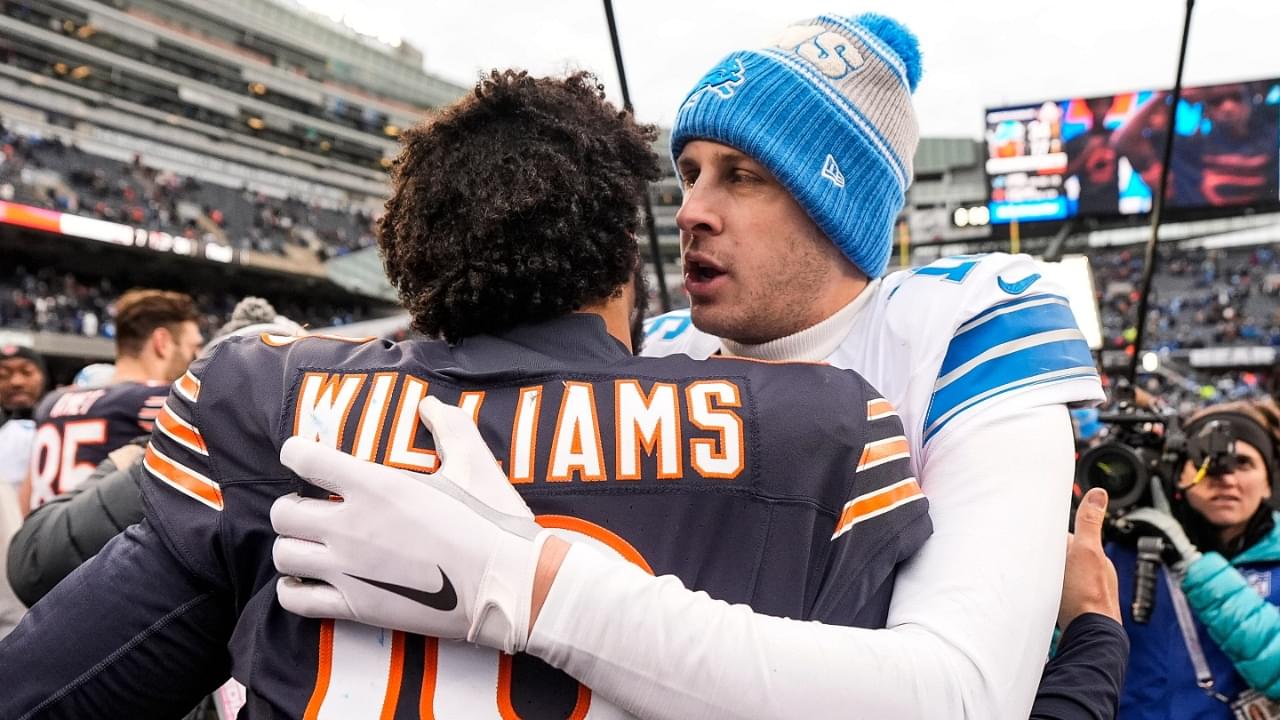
1239, 619
1236, 606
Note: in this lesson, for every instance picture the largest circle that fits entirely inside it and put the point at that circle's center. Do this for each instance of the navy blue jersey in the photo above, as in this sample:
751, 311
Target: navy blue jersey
784, 486
77, 428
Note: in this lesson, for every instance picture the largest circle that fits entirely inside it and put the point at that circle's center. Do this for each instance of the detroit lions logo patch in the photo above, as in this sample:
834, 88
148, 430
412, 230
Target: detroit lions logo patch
722, 80
829, 52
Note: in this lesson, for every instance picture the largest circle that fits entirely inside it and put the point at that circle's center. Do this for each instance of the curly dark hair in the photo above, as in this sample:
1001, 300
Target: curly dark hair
518, 203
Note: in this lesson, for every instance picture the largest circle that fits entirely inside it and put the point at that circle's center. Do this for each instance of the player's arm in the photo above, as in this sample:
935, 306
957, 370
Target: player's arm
65, 532
996, 462
129, 634
648, 644
141, 629
24, 496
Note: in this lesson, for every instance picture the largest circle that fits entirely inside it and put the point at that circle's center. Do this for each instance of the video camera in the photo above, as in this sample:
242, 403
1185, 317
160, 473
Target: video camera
1139, 464
1141, 457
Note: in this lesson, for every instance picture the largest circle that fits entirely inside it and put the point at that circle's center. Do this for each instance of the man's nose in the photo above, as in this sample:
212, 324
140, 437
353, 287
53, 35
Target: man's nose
699, 213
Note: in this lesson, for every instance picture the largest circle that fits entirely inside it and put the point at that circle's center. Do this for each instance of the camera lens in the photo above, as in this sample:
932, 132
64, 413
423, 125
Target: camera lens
1115, 468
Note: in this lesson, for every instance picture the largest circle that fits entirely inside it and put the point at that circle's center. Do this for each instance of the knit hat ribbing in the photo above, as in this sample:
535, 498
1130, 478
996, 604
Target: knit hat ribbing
827, 109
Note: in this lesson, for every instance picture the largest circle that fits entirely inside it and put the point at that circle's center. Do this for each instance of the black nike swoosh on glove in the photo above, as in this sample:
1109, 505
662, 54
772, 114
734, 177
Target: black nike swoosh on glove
444, 599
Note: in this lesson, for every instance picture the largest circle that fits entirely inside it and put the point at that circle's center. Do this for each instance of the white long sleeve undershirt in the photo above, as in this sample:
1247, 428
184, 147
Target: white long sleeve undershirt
968, 628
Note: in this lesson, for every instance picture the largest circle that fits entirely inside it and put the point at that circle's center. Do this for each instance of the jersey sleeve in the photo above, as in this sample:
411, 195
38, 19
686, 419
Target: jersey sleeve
1014, 341
129, 634
179, 482
883, 522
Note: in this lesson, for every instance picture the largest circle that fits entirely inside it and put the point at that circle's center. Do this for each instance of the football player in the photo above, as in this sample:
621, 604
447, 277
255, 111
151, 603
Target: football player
794, 160
794, 170
511, 233
157, 337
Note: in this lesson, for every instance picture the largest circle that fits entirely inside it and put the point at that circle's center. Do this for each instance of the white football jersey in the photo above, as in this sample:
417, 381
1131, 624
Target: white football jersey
959, 337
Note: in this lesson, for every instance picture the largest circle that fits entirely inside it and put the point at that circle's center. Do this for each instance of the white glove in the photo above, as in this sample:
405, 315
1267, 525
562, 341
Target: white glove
1150, 521
449, 555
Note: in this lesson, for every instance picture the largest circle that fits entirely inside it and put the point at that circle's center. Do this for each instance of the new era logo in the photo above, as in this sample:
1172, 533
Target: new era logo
831, 171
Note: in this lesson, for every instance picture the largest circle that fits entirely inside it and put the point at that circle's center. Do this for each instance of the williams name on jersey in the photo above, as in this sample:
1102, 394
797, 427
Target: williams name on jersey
784, 486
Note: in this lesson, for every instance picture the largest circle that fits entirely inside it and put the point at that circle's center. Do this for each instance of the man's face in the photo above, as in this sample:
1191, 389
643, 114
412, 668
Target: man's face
183, 350
1228, 108
756, 267
21, 384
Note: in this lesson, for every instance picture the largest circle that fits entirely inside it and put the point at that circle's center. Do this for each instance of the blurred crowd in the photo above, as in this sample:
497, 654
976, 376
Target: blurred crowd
1200, 298
48, 173
50, 301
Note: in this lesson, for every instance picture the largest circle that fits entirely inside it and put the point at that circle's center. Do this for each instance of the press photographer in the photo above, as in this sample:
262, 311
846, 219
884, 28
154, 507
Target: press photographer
1206, 643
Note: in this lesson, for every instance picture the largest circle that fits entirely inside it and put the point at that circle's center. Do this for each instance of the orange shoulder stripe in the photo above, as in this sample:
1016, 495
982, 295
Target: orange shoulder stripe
880, 452
876, 503
879, 408
181, 431
182, 478
188, 386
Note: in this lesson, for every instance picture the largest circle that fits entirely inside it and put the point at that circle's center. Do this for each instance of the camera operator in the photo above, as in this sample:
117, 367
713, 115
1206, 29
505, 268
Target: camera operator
1211, 645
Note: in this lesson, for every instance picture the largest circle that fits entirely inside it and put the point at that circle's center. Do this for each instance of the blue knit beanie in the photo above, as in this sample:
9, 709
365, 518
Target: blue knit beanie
827, 109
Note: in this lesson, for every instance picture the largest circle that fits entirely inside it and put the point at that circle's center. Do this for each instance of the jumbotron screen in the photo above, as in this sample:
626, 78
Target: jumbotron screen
1102, 156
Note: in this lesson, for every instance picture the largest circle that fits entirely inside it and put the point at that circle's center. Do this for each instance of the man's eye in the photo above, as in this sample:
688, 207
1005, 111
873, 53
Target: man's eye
742, 176
688, 180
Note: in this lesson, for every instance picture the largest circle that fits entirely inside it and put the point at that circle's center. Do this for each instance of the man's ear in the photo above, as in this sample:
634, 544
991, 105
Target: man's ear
162, 342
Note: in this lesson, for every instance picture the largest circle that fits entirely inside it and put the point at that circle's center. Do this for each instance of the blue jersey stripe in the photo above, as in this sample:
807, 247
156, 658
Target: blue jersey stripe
937, 425
998, 328
674, 322
1024, 364
1008, 304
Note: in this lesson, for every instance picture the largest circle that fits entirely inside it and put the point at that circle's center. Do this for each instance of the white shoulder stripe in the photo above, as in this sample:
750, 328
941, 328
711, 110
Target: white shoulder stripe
1006, 348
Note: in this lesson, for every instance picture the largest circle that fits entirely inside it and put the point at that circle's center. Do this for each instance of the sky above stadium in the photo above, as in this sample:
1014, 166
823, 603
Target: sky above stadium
977, 53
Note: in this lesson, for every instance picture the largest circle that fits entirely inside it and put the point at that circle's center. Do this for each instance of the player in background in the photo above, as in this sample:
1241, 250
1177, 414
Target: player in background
23, 378
794, 160
23, 381
157, 337
511, 233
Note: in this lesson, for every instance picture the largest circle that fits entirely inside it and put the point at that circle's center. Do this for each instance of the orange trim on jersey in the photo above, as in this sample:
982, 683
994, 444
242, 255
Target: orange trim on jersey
182, 432
182, 478
876, 503
506, 711
188, 386
651, 446
880, 452
879, 408
585, 527
474, 398
324, 668
536, 411
713, 410
430, 661
395, 675
331, 386
283, 340
390, 387
575, 444
402, 410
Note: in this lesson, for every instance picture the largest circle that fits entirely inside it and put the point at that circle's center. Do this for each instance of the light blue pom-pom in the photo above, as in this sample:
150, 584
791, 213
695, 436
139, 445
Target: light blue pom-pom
899, 38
